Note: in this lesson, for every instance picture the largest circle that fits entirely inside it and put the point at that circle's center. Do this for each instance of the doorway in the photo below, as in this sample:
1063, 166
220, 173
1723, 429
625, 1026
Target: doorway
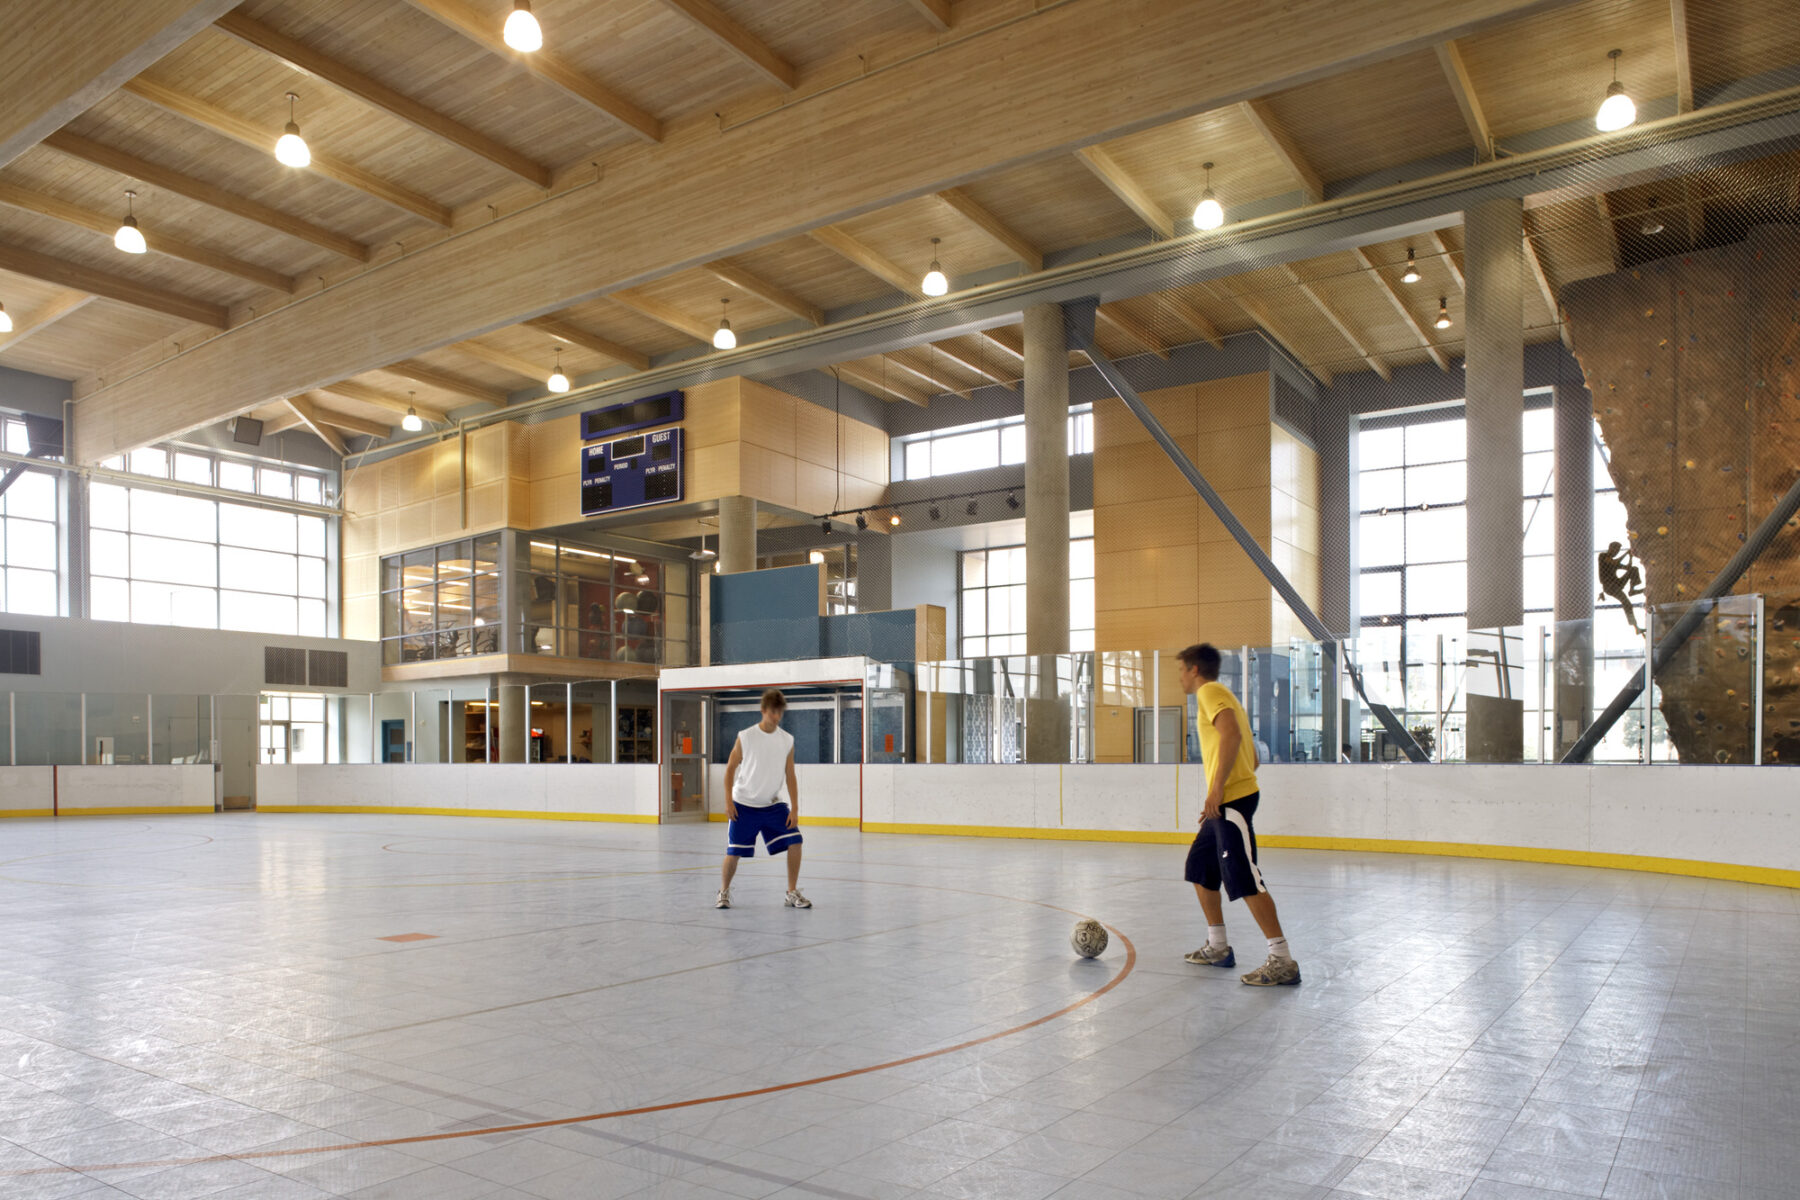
276, 743
393, 741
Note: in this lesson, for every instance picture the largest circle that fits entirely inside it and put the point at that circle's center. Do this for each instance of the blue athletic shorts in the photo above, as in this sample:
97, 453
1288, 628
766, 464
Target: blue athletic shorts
1224, 852
770, 823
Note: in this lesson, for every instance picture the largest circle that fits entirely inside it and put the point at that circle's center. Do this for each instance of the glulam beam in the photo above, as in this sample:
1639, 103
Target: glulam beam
1108, 171
1468, 103
1684, 59
875, 263
1282, 144
978, 215
664, 314
308, 412
1192, 317
1401, 308
1267, 322
448, 381
880, 384
1341, 323
574, 335
710, 20
64, 273
522, 367
1134, 329
935, 12
350, 389
768, 293
44, 318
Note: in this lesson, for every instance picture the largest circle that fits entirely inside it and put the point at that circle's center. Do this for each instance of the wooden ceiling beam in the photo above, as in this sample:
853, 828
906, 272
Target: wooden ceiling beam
1282, 143
1107, 170
1684, 60
1134, 329
14, 196
1192, 317
1400, 307
574, 335
481, 28
1609, 232
1002, 339
350, 389
1535, 261
350, 424
1340, 323
1456, 272
209, 116
878, 265
506, 361
584, 242
979, 216
205, 193
308, 61
57, 62
67, 274
1265, 320
767, 292
740, 41
873, 381
288, 419
973, 367
1456, 74
309, 415
941, 385
448, 381
664, 314
44, 318
937, 13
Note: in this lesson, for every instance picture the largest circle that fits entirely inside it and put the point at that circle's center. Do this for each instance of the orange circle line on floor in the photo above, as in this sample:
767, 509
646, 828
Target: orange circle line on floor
555, 1122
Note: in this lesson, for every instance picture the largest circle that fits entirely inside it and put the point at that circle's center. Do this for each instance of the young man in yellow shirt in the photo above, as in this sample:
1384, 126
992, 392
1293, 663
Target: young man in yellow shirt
1224, 851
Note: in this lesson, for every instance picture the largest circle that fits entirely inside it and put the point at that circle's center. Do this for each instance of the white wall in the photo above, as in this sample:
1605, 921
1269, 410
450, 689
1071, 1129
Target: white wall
549, 790
25, 791
132, 789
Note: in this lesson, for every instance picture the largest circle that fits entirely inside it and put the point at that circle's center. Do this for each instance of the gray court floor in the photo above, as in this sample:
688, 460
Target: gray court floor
215, 1007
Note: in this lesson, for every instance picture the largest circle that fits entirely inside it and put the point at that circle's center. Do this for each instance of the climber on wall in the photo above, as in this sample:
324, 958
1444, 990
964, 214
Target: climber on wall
1621, 579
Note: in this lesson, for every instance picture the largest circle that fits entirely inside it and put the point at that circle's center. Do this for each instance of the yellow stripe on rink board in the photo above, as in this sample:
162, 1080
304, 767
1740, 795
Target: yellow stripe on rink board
25, 812
1773, 876
621, 818
838, 822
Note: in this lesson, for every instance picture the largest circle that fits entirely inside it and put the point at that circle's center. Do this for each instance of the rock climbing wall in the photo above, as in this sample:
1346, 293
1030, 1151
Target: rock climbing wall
1692, 364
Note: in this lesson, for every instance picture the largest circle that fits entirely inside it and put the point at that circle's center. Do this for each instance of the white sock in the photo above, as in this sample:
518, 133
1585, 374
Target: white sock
1215, 937
1278, 949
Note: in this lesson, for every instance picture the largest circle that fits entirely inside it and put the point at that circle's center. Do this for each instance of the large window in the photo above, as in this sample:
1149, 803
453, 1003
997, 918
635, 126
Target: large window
28, 582
587, 602
442, 601
992, 598
162, 558
983, 446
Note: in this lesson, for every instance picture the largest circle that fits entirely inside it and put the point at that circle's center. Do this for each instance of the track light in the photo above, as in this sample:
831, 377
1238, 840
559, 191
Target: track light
290, 147
522, 32
558, 382
862, 522
893, 518
825, 526
937, 514
411, 422
1412, 268
1616, 111
935, 283
130, 238
723, 338
1443, 317
1209, 213
973, 508
5, 321
1012, 501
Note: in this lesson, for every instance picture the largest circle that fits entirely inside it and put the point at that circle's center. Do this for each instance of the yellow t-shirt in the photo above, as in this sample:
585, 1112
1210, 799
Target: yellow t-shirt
1214, 699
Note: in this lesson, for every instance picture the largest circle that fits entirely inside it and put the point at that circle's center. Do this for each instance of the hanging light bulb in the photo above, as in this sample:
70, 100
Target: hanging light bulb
522, 32
130, 238
5, 321
1652, 224
558, 382
723, 337
1443, 317
1412, 268
1209, 213
935, 283
411, 422
893, 518
1616, 111
290, 147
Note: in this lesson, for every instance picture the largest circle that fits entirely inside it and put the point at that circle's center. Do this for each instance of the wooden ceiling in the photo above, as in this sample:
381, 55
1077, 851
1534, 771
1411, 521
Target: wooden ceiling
424, 127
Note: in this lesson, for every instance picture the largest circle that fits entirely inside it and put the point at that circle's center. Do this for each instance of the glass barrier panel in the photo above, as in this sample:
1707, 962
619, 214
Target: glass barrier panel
118, 730
181, 729
47, 729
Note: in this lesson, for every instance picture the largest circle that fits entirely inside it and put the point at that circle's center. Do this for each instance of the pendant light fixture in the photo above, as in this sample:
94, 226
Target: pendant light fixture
1443, 317
723, 337
935, 283
703, 554
411, 422
1412, 268
558, 382
290, 147
6, 324
1616, 111
522, 32
894, 519
862, 522
130, 238
1209, 213
1652, 224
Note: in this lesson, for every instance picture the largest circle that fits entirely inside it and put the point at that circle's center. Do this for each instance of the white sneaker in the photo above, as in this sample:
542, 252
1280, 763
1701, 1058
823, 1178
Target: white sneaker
795, 900
724, 900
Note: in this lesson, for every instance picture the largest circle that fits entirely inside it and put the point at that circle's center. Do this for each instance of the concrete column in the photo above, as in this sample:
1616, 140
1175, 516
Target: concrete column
1576, 579
1494, 360
737, 535
515, 718
1046, 526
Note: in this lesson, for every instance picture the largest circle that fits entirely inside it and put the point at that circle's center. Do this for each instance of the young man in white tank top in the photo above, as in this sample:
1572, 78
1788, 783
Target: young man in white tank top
761, 761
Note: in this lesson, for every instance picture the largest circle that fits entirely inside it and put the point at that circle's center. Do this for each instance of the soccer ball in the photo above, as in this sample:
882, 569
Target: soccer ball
1089, 938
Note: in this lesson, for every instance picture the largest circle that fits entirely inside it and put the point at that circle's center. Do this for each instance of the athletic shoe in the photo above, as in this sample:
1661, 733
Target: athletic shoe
1277, 972
1206, 956
724, 900
795, 900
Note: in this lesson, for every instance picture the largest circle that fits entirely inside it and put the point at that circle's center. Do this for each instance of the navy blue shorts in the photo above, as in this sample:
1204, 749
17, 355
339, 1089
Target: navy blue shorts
770, 822
1223, 855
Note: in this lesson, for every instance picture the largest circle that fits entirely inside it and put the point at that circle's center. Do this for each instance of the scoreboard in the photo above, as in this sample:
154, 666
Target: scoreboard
631, 472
